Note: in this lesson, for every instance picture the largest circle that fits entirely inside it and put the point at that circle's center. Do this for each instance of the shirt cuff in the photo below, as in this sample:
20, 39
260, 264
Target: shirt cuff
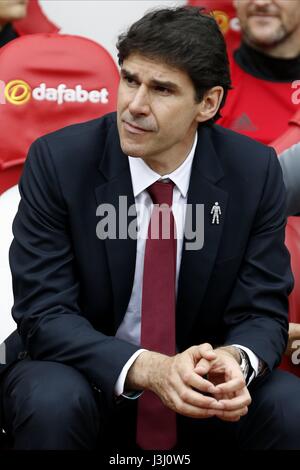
119, 385
254, 361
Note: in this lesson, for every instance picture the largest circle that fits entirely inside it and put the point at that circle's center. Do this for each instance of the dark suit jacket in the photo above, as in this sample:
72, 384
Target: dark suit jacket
72, 289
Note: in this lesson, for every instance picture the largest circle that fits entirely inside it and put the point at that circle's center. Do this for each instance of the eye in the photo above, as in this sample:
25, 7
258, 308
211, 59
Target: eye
162, 90
129, 81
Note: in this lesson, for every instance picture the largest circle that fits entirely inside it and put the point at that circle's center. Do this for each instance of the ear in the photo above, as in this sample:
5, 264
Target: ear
210, 103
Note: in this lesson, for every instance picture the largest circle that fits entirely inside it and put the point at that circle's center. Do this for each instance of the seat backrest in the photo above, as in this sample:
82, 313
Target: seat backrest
225, 15
48, 81
290, 137
35, 21
292, 240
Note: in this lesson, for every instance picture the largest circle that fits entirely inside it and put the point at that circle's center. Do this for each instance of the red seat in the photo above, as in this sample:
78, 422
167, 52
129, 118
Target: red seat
49, 81
35, 21
292, 240
225, 14
290, 137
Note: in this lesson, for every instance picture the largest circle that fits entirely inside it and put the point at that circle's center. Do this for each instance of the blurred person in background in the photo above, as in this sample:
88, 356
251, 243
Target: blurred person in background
10, 10
264, 68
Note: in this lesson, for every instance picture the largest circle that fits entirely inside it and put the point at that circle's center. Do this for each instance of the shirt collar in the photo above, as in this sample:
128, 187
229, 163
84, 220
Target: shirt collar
143, 176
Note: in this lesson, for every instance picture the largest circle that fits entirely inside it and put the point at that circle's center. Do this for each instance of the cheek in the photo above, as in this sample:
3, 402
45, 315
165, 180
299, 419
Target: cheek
292, 20
176, 127
122, 96
241, 11
183, 117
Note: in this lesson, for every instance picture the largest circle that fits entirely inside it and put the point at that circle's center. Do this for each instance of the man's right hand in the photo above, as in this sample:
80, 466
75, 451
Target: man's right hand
175, 381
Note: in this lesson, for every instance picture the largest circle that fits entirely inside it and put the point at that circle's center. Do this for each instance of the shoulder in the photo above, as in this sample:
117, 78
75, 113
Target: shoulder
249, 167
241, 151
78, 142
82, 133
70, 157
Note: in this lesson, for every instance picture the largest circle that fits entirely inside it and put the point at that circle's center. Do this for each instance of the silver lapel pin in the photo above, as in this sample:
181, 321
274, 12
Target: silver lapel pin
216, 212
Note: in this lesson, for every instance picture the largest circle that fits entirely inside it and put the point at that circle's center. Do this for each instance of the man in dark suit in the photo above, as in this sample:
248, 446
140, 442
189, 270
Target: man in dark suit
95, 299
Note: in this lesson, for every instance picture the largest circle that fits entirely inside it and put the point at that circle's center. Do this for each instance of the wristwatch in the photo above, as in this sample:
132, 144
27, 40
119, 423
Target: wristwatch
245, 364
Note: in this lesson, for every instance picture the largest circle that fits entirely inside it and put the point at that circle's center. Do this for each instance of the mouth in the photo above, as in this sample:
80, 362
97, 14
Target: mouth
259, 14
133, 129
18, 2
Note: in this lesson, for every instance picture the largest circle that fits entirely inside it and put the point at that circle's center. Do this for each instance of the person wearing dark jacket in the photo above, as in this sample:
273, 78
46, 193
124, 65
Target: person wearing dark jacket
149, 268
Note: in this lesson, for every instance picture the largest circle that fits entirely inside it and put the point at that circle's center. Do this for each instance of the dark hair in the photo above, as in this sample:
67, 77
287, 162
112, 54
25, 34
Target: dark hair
184, 38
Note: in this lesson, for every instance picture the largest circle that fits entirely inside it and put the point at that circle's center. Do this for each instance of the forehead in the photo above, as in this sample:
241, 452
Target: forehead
148, 70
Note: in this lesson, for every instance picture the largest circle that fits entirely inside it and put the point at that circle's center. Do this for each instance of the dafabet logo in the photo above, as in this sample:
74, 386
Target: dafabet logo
15, 92
18, 92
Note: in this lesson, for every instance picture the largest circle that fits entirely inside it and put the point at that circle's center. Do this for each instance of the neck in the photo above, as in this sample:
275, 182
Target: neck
167, 162
264, 67
288, 49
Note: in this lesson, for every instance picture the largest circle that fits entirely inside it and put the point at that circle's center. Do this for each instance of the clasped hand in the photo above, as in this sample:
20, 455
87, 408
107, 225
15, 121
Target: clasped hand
200, 383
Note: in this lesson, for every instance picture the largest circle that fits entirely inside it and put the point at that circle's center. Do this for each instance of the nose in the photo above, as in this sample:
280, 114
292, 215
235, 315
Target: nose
139, 104
262, 2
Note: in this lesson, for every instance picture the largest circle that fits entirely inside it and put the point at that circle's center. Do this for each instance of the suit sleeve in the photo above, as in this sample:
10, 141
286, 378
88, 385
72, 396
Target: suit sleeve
257, 313
46, 285
290, 164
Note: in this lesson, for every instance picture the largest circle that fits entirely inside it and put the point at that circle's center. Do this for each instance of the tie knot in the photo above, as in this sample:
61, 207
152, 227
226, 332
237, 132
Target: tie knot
161, 193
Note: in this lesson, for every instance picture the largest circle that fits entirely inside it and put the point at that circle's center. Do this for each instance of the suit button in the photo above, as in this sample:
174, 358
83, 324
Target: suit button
22, 355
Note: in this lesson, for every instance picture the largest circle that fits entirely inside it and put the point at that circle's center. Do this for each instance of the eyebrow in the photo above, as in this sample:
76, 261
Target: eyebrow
153, 82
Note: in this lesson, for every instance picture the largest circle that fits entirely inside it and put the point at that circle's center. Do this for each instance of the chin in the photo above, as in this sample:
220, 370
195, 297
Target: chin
267, 41
18, 12
131, 149
265, 32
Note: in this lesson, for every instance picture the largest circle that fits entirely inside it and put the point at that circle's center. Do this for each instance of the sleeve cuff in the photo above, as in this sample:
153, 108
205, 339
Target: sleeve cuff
119, 385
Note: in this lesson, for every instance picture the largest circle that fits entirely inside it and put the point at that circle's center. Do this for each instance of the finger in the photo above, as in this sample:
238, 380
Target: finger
237, 403
206, 350
203, 366
195, 412
193, 380
191, 411
205, 347
224, 396
231, 415
191, 397
233, 385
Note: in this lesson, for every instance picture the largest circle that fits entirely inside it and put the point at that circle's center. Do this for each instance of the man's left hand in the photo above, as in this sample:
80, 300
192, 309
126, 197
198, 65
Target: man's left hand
225, 373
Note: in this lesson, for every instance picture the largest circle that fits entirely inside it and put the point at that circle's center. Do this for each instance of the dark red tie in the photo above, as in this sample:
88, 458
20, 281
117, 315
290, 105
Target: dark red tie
156, 424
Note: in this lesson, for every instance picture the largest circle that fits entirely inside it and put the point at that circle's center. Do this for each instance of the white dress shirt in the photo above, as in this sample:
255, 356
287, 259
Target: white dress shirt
142, 177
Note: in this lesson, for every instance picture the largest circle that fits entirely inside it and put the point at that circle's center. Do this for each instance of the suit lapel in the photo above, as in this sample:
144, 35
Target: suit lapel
197, 265
121, 251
